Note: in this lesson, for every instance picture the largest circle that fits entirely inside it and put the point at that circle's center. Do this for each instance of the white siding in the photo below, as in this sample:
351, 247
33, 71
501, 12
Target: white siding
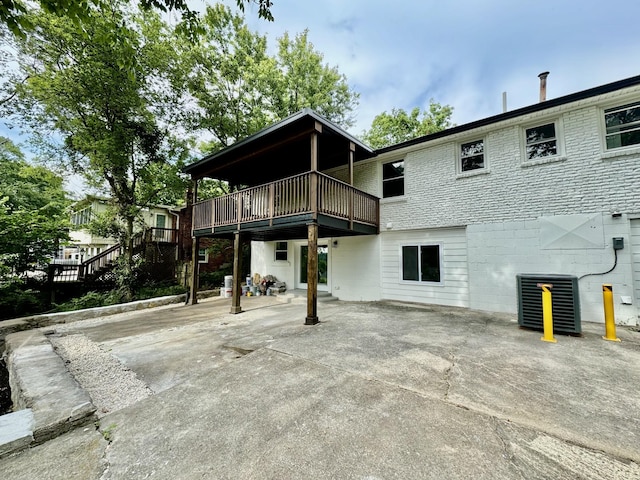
355, 268
263, 262
454, 289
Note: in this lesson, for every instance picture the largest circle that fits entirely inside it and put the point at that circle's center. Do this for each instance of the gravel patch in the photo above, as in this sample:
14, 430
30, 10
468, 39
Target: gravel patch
110, 383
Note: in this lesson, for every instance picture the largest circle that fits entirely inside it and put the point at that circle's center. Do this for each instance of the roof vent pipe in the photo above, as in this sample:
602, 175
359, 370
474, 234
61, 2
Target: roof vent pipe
543, 85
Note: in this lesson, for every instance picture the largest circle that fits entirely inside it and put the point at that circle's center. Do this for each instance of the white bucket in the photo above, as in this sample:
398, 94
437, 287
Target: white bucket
228, 281
228, 292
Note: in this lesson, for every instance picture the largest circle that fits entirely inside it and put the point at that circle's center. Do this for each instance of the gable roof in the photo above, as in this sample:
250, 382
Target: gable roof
573, 97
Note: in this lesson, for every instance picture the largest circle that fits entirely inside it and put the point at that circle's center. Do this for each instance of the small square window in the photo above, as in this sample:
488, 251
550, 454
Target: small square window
623, 126
393, 179
282, 251
472, 156
203, 255
541, 141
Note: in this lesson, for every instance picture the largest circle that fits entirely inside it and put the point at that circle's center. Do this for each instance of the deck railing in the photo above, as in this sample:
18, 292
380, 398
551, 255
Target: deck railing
288, 197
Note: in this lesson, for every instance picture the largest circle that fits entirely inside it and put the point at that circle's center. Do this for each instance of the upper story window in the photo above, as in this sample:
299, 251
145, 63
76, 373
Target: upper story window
623, 126
281, 251
472, 156
393, 179
541, 141
81, 217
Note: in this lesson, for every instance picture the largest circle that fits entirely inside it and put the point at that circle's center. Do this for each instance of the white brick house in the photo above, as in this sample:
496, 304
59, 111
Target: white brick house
541, 189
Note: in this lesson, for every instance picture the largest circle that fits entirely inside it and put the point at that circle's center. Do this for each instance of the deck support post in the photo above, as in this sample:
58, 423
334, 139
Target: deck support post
237, 272
312, 274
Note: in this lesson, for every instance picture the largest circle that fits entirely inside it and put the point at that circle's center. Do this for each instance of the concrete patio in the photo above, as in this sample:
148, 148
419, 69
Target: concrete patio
376, 390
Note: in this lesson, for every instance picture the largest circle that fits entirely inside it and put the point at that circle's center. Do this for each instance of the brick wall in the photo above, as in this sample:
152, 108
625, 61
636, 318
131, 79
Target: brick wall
583, 180
505, 206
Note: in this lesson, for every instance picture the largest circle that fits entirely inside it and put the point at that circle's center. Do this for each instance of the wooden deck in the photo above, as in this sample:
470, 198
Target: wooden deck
294, 200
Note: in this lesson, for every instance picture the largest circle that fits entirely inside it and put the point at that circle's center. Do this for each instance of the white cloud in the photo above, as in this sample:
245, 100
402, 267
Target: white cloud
464, 52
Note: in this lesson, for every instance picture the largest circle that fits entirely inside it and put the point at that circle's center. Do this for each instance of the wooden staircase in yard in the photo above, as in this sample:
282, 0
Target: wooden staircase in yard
100, 268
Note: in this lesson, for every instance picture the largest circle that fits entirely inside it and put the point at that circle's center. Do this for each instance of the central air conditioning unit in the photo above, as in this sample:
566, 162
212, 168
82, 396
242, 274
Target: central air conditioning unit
565, 302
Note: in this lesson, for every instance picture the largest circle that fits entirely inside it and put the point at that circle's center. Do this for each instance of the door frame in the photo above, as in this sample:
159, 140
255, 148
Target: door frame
322, 287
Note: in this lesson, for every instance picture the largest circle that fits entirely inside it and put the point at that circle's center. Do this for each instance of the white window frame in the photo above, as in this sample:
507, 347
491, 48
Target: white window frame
559, 138
81, 217
460, 158
206, 255
275, 251
155, 220
404, 177
419, 246
617, 106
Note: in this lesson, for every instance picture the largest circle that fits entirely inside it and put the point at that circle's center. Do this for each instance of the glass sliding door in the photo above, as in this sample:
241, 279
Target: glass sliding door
323, 266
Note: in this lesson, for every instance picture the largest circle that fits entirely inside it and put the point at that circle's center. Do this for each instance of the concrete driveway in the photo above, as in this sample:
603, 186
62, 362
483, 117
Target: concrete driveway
375, 391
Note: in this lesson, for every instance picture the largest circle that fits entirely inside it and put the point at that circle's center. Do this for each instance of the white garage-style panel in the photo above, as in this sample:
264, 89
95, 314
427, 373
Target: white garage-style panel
446, 282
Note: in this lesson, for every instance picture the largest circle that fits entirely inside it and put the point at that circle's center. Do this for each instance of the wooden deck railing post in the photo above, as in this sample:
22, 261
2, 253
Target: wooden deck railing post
272, 202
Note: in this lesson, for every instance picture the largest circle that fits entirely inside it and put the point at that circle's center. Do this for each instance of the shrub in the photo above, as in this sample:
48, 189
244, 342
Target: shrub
16, 301
213, 279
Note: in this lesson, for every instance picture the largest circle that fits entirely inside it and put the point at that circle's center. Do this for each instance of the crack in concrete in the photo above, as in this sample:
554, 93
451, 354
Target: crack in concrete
447, 374
509, 454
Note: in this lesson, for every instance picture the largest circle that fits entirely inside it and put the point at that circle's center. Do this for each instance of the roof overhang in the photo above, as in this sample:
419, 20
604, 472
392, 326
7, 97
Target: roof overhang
280, 151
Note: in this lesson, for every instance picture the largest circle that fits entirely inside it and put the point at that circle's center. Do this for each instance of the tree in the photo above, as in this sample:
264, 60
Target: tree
115, 124
33, 218
304, 81
228, 76
400, 126
14, 13
236, 88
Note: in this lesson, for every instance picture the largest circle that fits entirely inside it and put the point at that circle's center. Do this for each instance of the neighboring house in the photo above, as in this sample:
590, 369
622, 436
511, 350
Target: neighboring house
85, 245
90, 258
541, 189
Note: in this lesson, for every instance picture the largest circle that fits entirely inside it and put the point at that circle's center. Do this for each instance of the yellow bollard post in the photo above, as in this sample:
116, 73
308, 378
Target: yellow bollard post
609, 318
547, 313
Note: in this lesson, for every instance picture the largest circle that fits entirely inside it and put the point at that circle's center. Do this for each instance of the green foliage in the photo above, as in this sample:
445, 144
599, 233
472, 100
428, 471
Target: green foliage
304, 81
215, 279
33, 219
14, 13
108, 432
400, 126
18, 301
153, 291
236, 88
114, 297
88, 300
103, 89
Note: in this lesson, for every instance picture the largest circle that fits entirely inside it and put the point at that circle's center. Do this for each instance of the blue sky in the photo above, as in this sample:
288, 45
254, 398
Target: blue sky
464, 53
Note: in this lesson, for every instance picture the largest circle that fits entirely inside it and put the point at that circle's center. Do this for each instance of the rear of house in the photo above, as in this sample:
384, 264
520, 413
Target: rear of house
543, 189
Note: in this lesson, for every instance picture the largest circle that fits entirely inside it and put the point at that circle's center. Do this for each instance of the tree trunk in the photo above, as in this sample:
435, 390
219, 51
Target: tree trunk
128, 270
